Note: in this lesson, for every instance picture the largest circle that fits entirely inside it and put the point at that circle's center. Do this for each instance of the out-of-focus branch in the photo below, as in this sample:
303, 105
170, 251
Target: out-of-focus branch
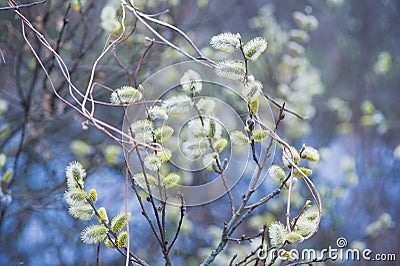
144, 18
15, 7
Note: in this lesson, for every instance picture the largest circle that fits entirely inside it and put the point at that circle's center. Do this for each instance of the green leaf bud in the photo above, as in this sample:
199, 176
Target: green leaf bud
276, 173
294, 237
3, 159
103, 215
309, 153
126, 95
93, 195
277, 234
239, 138
75, 174
119, 221
254, 48
140, 180
259, 135
220, 144
83, 212
253, 106
191, 82
233, 70
93, 234
163, 133
226, 42
305, 171
164, 155
122, 239
75, 197
170, 180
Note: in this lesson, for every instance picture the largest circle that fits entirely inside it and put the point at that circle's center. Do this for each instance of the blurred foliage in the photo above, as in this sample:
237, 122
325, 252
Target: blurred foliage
334, 62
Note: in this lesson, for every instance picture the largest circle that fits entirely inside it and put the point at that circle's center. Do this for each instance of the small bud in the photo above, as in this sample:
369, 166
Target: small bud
224, 163
215, 156
93, 195
103, 215
119, 221
259, 135
126, 95
8, 175
3, 159
250, 124
122, 239
170, 180
163, 133
215, 168
277, 173
253, 106
239, 138
211, 133
293, 237
191, 82
94, 234
305, 171
220, 144
309, 153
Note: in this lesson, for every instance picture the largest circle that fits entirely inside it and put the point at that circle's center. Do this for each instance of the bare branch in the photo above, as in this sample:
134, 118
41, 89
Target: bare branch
15, 7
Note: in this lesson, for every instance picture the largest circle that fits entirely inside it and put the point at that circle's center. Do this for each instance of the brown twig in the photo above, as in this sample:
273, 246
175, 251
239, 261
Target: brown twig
232, 260
140, 62
15, 7
124, 67
145, 18
310, 262
98, 254
182, 214
285, 109
298, 216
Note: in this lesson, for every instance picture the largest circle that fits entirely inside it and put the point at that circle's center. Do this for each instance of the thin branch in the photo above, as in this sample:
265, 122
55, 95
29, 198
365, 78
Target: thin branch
126, 211
144, 212
98, 254
100, 125
2, 57
245, 238
124, 67
183, 208
230, 197
251, 257
15, 7
166, 11
233, 259
310, 262
263, 237
280, 106
144, 18
141, 62
298, 216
